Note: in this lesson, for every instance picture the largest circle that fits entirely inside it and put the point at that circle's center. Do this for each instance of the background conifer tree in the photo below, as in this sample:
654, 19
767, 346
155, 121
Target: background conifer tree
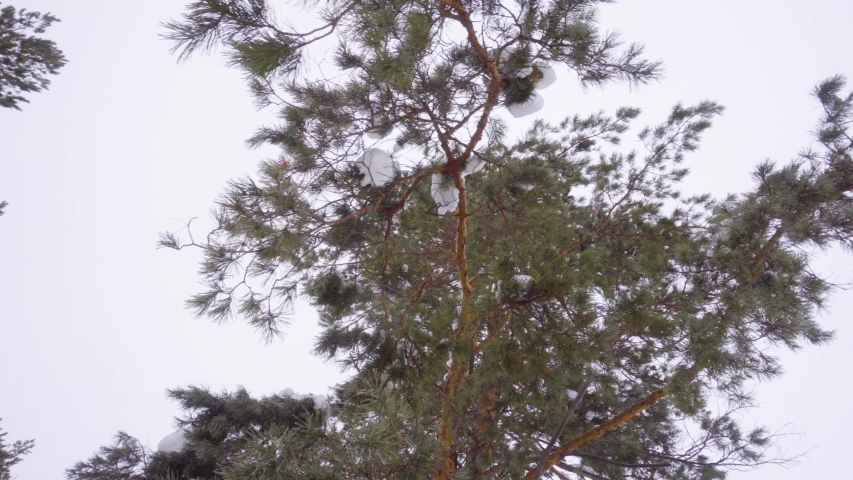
11, 455
548, 307
25, 60
215, 429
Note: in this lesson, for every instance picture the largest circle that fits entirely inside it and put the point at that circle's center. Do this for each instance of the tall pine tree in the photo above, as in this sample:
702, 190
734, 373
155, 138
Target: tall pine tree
549, 307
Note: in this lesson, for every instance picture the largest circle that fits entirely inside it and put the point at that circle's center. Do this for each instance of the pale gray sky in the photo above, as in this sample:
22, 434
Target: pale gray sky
127, 144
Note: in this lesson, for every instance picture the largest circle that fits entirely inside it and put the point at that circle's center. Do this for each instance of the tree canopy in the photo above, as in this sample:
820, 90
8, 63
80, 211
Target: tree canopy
544, 307
25, 59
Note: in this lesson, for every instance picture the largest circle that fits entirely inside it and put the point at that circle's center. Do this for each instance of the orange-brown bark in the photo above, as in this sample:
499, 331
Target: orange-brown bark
457, 371
466, 328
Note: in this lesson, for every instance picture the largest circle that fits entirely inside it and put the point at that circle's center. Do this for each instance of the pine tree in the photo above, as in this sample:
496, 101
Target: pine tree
549, 307
214, 431
25, 60
11, 455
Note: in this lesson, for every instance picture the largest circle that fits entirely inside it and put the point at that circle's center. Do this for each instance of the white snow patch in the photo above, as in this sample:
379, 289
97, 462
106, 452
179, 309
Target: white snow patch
473, 165
384, 141
525, 71
288, 393
447, 196
523, 279
591, 471
173, 442
532, 106
320, 402
678, 285
571, 393
377, 166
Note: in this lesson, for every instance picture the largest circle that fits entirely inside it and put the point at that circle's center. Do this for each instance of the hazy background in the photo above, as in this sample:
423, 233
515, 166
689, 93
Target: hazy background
127, 144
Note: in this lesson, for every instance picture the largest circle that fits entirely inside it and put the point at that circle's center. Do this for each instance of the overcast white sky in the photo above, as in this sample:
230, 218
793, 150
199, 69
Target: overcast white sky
127, 144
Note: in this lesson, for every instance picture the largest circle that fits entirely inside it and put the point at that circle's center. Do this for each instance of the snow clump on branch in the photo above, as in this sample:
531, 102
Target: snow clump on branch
533, 105
377, 166
173, 442
320, 401
445, 194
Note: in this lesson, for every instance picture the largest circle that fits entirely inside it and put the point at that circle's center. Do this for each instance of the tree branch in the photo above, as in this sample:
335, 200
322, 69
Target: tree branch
599, 430
570, 410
